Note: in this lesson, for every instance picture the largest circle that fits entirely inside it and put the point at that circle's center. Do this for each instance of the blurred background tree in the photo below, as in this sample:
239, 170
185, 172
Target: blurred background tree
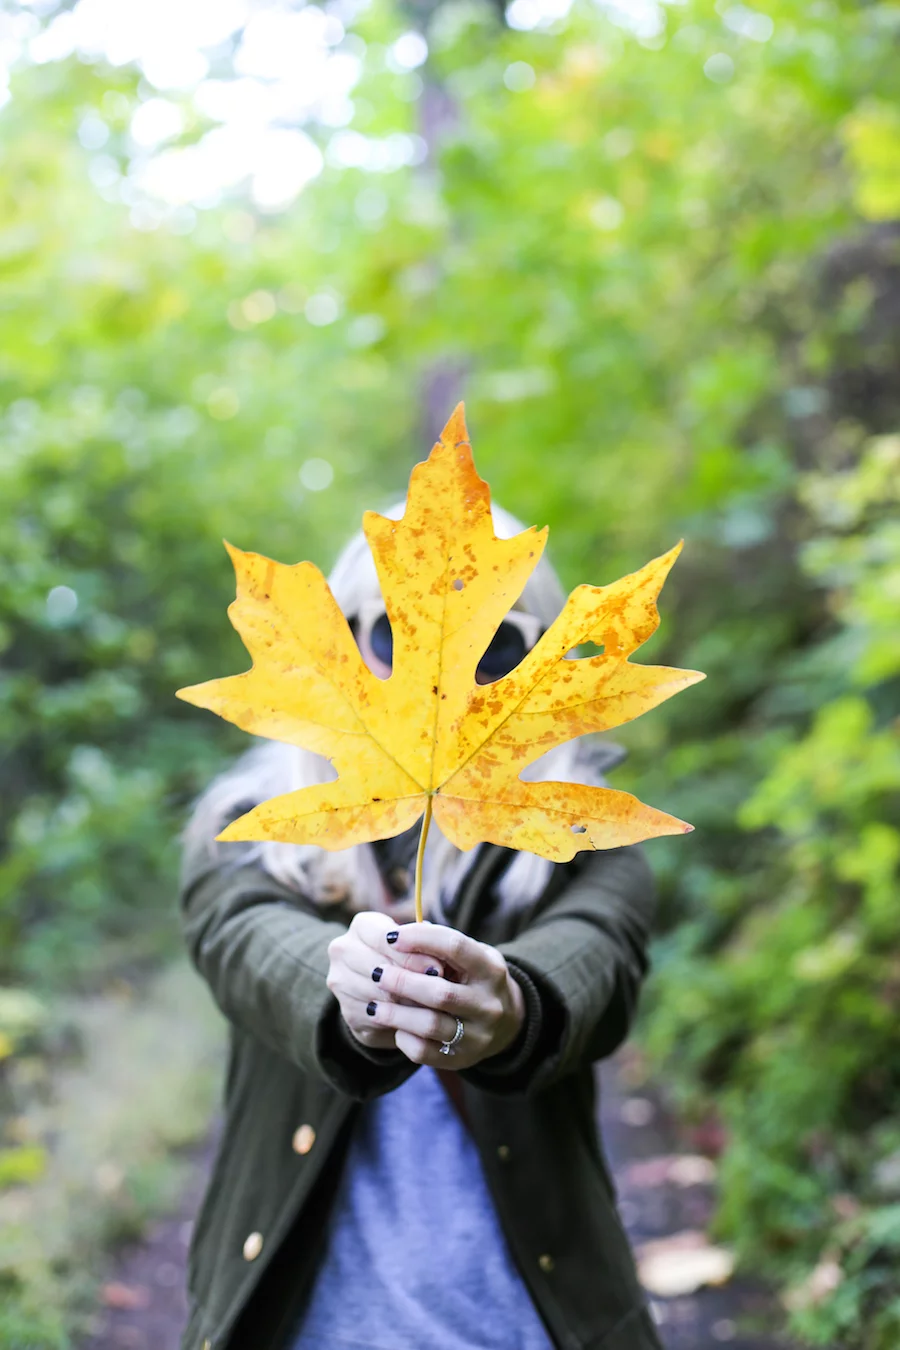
251, 253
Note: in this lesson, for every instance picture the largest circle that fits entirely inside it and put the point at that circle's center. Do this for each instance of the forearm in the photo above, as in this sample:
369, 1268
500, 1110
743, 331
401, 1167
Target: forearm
265, 960
584, 957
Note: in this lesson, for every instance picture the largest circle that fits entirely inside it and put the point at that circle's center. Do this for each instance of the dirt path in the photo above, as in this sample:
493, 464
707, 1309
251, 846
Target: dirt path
662, 1192
143, 1303
667, 1190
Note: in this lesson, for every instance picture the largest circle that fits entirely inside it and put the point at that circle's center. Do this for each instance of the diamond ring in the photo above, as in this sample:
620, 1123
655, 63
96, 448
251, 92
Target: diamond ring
447, 1046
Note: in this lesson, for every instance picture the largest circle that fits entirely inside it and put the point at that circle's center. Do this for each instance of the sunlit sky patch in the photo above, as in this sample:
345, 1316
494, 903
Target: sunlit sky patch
265, 73
289, 68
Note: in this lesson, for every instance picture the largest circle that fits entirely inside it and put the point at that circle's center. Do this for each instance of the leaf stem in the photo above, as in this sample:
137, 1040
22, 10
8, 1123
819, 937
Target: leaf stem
426, 821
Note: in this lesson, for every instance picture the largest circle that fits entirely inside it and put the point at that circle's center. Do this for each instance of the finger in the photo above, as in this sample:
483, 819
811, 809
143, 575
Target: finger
353, 1011
346, 983
476, 959
422, 1022
370, 926
365, 961
426, 1052
375, 1040
419, 962
365, 1026
421, 1051
468, 1001
353, 974
372, 930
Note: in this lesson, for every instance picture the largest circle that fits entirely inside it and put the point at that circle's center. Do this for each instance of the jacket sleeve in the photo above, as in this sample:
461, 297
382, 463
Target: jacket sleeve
264, 955
581, 962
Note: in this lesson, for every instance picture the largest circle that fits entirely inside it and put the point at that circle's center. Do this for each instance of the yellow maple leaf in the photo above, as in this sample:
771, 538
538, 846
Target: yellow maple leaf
429, 738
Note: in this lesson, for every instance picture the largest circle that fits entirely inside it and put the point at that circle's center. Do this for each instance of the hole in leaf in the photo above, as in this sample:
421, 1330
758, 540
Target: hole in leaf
380, 639
585, 649
579, 829
458, 584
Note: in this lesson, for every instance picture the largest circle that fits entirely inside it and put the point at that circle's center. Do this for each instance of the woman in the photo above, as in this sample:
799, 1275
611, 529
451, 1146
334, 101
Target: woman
409, 1159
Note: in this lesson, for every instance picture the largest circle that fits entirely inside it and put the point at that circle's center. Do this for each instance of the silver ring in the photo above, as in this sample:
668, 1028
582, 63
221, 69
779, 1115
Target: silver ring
447, 1046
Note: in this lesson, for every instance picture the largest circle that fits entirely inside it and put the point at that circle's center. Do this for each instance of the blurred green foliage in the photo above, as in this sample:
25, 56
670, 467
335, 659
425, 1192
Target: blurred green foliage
666, 273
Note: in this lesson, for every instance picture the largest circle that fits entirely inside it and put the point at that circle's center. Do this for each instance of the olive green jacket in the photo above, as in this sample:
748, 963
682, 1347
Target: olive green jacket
296, 1079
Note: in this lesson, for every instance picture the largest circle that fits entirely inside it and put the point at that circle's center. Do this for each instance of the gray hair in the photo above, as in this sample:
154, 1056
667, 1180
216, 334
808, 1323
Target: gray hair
350, 877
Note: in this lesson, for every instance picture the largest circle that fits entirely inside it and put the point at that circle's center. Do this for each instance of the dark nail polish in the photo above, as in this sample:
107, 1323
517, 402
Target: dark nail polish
370, 1008
432, 970
377, 973
393, 935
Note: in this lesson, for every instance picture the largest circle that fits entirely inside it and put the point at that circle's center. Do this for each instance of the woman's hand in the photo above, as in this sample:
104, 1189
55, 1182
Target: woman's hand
415, 1009
360, 960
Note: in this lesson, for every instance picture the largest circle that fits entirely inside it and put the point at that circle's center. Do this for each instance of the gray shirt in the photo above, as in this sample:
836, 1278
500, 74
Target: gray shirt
415, 1257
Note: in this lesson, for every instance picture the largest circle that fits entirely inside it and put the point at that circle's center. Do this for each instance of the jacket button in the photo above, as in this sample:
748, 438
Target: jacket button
253, 1246
503, 1152
303, 1139
546, 1263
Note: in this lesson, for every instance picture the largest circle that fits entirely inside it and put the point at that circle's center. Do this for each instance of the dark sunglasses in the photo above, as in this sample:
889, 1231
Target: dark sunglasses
510, 644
